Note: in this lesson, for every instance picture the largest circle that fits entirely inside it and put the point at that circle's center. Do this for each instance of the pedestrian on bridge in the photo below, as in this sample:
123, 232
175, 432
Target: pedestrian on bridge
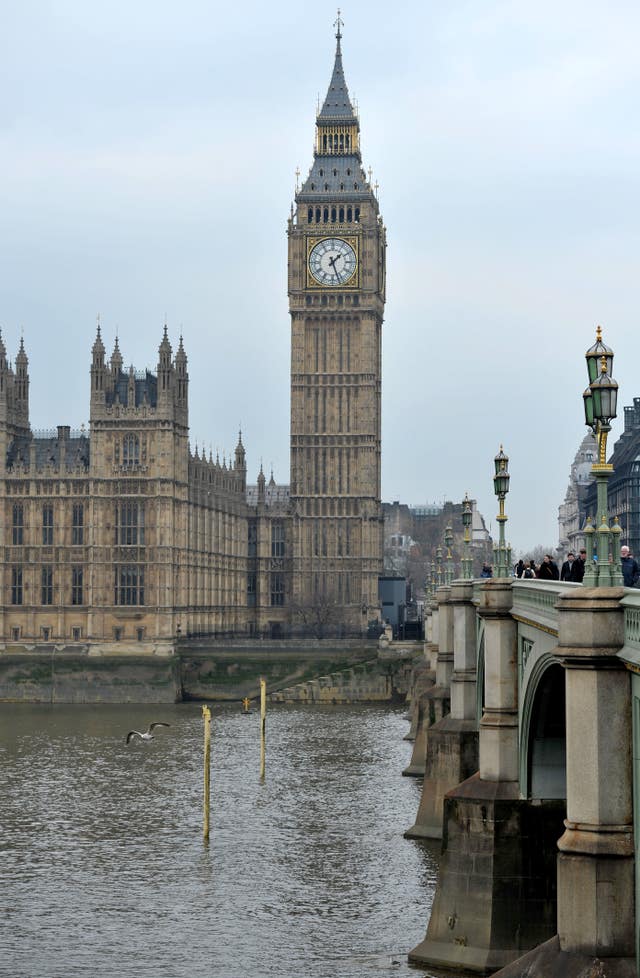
565, 573
630, 569
577, 570
548, 569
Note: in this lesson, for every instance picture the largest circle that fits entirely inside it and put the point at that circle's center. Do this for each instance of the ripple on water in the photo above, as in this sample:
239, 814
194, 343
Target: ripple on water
307, 874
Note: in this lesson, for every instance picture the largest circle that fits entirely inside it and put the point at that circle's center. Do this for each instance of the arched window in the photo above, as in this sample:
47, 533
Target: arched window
130, 451
310, 216
357, 217
325, 215
333, 215
341, 214
317, 215
349, 214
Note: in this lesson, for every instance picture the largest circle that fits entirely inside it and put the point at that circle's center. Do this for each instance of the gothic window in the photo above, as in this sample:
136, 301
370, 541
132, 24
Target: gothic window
77, 526
17, 535
347, 140
321, 172
333, 215
348, 173
252, 542
130, 451
342, 208
76, 633
317, 215
277, 590
251, 590
129, 585
16, 585
77, 596
357, 213
349, 214
326, 186
130, 524
139, 634
277, 540
310, 216
47, 526
46, 585
325, 215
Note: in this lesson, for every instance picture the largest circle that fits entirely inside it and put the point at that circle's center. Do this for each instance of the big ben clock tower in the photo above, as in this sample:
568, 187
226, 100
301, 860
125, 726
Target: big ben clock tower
336, 300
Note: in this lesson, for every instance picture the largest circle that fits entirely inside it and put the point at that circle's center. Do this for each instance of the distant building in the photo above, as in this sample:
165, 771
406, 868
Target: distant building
572, 512
412, 535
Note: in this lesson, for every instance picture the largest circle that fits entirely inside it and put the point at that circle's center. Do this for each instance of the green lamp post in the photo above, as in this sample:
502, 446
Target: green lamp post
501, 556
467, 516
600, 403
448, 542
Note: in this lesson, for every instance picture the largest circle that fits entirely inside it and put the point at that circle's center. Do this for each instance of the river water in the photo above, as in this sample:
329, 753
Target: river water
104, 870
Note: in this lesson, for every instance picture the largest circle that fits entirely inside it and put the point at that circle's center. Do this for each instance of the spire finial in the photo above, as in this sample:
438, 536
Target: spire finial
338, 23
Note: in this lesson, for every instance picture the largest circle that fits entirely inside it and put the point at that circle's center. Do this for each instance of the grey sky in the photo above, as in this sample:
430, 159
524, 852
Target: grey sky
147, 166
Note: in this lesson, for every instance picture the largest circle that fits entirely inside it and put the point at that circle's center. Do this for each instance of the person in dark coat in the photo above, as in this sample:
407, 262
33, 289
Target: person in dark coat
519, 568
548, 569
577, 570
630, 569
487, 571
565, 573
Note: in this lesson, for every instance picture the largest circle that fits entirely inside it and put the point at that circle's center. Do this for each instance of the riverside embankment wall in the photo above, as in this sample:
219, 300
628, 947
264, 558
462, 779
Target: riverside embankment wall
347, 672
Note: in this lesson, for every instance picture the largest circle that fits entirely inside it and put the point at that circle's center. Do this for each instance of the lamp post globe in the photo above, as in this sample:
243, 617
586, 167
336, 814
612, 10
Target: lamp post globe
600, 406
501, 479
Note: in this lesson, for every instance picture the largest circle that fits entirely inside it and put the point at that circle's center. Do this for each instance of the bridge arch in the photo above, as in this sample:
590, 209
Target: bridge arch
543, 732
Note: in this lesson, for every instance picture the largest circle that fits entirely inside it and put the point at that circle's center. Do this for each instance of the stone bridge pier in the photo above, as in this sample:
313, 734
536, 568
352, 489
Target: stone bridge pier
495, 897
596, 920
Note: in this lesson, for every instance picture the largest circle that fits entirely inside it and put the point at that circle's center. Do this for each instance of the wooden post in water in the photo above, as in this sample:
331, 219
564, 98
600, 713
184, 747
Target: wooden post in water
263, 725
206, 714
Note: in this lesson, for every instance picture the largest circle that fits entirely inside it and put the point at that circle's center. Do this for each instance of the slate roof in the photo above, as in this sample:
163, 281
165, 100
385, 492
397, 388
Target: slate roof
322, 180
146, 383
76, 452
337, 105
273, 495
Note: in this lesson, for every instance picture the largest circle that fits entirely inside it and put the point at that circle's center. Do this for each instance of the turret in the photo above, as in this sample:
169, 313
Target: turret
98, 369
241, 461
165, 370
182, 379
116, 368
22, 387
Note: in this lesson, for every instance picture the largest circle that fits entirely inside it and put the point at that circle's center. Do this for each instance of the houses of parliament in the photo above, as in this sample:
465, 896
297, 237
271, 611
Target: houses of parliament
123, 534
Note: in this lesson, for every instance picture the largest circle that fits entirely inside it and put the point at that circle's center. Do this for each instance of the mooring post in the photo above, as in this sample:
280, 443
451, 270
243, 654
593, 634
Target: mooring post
263, 725
206, 714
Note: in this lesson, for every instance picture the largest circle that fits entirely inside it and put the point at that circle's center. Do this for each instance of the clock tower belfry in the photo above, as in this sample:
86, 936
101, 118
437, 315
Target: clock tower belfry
336, 284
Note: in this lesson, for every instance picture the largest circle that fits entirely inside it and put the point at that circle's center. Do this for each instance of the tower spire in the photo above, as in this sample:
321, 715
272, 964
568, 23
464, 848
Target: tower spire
337, 104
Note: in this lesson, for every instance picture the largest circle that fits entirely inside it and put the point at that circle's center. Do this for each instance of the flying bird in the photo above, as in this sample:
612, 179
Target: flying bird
147, 735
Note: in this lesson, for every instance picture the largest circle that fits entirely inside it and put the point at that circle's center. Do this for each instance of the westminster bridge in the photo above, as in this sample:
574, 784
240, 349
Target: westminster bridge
526, 720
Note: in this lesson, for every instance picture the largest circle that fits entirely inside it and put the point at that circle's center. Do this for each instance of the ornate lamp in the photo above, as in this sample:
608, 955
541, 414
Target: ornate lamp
600, 405
501, 479
467, 516
448, 542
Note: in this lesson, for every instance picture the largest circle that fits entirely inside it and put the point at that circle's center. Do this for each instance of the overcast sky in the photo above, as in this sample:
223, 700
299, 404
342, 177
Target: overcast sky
147, 166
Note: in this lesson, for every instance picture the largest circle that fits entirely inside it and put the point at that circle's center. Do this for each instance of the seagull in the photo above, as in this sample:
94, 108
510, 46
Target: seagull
147, 735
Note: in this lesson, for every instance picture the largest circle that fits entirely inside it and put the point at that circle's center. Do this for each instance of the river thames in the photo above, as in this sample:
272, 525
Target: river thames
307, 875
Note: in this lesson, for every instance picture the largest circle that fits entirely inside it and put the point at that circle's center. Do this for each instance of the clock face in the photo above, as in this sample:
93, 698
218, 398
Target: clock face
332, 261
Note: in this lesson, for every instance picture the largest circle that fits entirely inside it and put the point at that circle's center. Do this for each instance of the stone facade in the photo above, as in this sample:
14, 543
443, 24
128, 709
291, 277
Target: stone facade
124, 534
337, 254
